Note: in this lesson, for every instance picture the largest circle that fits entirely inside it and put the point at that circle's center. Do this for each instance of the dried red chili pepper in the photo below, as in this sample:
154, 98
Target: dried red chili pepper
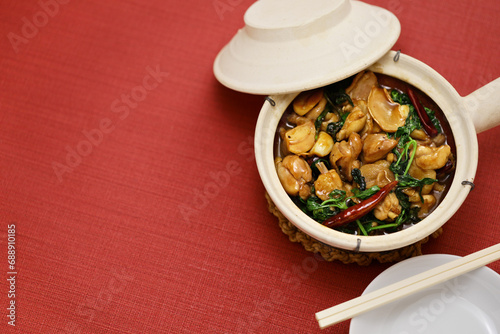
359, 210
426, 121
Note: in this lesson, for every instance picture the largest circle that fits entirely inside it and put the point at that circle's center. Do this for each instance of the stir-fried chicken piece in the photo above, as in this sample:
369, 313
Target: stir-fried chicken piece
294, 174
389, 209
345, 154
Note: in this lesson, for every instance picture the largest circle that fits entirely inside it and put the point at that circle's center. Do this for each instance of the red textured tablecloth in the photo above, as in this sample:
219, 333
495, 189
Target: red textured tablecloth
128, 170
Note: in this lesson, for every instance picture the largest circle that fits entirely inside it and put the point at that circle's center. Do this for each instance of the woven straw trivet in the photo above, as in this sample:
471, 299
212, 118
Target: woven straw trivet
330, 253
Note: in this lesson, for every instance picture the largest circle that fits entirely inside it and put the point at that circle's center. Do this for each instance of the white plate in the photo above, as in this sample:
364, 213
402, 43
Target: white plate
467, 304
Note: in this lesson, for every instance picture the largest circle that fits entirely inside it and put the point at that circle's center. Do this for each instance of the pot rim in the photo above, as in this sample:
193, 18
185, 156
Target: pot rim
443, 94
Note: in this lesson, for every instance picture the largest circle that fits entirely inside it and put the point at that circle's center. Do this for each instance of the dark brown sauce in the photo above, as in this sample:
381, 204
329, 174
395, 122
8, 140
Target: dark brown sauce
392, 83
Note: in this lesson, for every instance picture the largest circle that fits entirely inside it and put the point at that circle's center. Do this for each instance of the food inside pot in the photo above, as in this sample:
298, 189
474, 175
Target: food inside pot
369, 155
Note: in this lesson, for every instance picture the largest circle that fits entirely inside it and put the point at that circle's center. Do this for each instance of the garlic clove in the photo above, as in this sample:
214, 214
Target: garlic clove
306, 101
323, 145
355, 122
300, 139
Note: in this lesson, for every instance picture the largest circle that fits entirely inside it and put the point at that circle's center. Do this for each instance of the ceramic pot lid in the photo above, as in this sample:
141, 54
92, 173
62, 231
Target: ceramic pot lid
294, 45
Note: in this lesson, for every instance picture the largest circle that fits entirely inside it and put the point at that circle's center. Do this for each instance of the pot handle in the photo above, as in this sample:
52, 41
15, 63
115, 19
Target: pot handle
483, 106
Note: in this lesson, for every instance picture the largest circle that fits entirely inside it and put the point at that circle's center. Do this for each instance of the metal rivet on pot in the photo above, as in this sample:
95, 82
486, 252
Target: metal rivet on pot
396, 56
271, 101
468, 183
358, 246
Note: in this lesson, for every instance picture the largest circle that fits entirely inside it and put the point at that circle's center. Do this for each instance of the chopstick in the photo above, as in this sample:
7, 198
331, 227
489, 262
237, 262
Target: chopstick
406, 287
